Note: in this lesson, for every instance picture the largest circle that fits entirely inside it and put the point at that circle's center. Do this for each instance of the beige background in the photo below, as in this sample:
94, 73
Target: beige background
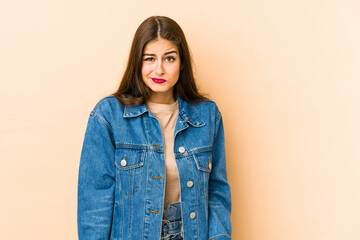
284, 73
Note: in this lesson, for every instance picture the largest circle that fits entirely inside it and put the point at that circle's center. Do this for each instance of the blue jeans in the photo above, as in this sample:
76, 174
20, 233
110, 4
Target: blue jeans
171, 223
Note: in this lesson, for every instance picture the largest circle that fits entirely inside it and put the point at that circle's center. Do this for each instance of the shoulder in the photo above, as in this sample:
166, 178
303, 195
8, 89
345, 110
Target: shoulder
208, 106
107, 107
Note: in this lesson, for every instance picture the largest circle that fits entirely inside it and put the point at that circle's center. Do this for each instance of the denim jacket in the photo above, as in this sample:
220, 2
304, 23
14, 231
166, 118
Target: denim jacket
122, 173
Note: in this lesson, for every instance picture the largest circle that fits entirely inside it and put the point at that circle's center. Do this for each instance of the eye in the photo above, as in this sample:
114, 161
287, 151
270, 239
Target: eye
149, 59
170, 59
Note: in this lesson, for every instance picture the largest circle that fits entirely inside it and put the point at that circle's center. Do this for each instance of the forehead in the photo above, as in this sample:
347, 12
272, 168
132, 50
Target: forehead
160, 45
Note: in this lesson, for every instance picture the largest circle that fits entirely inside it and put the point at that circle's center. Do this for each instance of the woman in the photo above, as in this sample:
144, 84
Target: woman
153, 160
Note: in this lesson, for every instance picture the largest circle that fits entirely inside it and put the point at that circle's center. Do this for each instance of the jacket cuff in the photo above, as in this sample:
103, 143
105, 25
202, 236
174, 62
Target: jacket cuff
221, 237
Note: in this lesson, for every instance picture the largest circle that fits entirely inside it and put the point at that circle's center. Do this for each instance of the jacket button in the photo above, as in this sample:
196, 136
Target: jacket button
192, 215
181, 149
189, 184
210, 165
123, 162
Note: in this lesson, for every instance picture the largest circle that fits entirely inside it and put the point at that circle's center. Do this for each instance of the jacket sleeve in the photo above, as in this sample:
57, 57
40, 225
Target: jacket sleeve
219, 188
96, 181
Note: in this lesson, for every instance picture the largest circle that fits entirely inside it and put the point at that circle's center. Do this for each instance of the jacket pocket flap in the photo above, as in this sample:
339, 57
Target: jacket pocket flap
203, 161
129, 158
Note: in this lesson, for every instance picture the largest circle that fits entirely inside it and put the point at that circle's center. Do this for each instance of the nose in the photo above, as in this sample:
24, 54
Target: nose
159, 68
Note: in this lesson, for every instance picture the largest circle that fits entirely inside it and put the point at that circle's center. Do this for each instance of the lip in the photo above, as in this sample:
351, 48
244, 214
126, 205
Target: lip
158, 80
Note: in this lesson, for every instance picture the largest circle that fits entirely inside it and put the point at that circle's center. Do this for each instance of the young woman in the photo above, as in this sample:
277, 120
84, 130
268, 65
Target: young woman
153, 159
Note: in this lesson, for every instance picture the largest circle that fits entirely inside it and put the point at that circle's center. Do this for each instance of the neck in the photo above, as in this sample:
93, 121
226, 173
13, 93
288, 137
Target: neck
162, 98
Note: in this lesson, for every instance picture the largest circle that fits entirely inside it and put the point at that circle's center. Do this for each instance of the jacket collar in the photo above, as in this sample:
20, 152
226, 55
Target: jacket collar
187, 111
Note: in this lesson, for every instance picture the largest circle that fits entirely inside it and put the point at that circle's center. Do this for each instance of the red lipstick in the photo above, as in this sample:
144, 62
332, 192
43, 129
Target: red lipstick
158, 80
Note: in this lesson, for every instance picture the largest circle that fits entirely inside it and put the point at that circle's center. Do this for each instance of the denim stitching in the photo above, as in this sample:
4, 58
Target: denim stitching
102, 121
130, 214
129, 167
146, 197
182, 129
194, 151
204, 195
221, 235
138, 147
197, 218
131, 173
128, 115
217, 113
122, 217
97, 105
106, 125
195, 196
132, 146
204, 169
114, 220
202, 122
163, 200
147, 173
217, 125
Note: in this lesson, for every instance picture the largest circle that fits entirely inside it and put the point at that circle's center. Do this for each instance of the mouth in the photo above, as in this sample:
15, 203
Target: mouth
158, 80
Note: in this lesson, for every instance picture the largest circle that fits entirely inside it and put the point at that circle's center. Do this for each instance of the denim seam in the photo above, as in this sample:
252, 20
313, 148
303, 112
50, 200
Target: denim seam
189, 121
147, 174
192, 152
216, 130
202, 122
197, 217
131, 173
182, 129
163, 200
146, 197
157, 150
221, 235
196, 200
201, 150
122, 218
217, 117
139, 147
128, 194
101, 120
183, 117
204, 169
202, 177
113, 219
106, 125
130, 214
127, 115
217, 113
204, 195
132, 146
97, 105
129, 167
195, 197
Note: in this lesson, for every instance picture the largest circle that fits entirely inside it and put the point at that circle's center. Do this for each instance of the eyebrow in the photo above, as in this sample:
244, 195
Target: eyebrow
151, 54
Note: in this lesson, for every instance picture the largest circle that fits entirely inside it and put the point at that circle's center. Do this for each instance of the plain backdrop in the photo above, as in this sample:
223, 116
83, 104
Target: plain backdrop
285, 75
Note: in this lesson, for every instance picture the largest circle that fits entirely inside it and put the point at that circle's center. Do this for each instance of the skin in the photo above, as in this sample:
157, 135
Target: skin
161, 60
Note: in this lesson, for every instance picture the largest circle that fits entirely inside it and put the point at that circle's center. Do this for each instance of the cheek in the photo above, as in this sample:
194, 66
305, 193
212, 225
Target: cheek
175, 70
145, 70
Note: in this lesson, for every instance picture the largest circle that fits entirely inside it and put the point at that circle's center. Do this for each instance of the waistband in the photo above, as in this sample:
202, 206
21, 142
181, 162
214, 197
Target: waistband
171, 223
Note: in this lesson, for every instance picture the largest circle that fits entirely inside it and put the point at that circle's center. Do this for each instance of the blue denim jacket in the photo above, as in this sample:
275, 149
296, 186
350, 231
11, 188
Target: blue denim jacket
122, 173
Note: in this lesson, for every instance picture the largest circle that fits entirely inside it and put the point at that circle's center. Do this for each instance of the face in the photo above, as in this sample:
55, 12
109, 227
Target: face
161, 69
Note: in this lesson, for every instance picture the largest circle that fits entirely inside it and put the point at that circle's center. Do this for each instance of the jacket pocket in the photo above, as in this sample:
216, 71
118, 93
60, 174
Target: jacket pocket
129, 164
203, 162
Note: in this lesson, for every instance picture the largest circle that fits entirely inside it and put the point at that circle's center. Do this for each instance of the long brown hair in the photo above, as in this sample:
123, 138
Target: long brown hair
132, 89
